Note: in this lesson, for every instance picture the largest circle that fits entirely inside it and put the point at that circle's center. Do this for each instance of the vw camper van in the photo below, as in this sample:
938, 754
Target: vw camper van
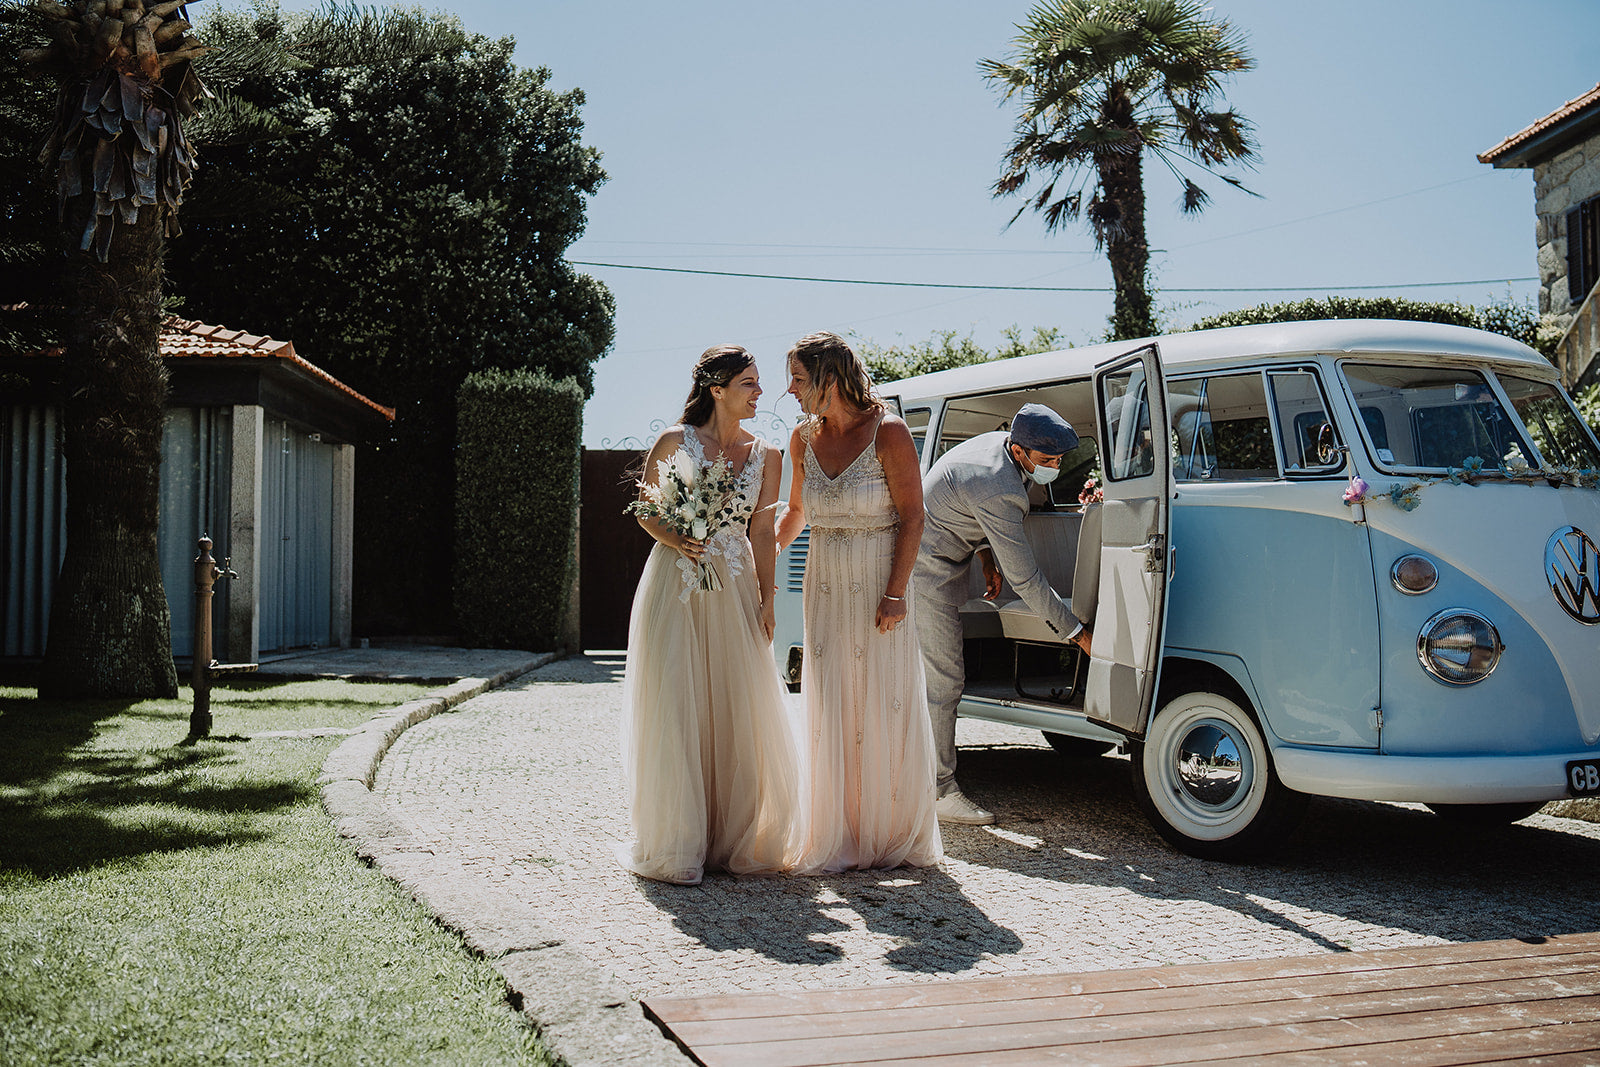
1338, 558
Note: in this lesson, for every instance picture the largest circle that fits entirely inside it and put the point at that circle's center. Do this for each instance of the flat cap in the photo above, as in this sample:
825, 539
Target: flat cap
1039, 429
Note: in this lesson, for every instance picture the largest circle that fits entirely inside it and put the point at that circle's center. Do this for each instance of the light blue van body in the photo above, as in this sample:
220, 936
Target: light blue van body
1280, 597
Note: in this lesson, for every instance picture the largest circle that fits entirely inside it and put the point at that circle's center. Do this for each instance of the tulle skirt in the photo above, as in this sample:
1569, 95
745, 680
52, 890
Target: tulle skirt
868, 785
707, 750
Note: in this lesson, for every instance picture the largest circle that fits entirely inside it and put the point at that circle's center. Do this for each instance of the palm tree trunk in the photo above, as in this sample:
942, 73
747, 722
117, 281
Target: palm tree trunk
110, 629
1122, 183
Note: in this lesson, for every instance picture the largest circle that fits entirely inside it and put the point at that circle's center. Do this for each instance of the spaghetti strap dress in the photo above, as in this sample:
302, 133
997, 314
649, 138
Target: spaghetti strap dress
868, 779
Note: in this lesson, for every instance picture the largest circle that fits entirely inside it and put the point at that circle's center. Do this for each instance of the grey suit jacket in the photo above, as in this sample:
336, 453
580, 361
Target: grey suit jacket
976, 494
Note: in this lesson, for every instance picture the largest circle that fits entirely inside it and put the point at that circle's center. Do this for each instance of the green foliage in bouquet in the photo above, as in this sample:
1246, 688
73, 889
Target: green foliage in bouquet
518, 464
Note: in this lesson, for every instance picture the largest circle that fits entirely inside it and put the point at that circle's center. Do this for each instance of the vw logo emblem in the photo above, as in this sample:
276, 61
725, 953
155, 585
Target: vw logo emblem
1572, 567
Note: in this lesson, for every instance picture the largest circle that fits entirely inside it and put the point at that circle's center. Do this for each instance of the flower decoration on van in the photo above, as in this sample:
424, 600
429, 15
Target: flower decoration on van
1092, 493
1405, 497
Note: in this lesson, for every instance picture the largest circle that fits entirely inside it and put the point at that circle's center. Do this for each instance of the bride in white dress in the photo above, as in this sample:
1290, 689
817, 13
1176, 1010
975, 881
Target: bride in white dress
868, 785
708, 756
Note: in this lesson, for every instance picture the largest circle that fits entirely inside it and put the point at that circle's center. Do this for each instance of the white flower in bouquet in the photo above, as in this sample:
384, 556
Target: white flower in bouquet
685, 499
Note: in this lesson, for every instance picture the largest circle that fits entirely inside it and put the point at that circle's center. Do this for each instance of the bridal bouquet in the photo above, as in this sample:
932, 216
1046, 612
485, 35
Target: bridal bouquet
692, 500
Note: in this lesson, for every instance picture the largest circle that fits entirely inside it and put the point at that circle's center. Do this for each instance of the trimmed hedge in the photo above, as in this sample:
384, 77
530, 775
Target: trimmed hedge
1517, 321
518, 466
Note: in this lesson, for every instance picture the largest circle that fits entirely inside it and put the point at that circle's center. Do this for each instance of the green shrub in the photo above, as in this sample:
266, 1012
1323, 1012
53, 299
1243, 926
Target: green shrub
1519, 321
518, 463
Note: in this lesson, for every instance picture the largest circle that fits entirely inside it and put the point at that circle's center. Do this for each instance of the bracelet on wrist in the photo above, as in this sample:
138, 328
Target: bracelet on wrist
887, 596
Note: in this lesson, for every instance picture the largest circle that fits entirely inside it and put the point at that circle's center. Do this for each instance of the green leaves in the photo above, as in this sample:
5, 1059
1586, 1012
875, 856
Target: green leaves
1099, 83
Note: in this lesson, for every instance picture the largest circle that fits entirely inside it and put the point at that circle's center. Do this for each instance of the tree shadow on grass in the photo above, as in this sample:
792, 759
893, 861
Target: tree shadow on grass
37, 736
66, 807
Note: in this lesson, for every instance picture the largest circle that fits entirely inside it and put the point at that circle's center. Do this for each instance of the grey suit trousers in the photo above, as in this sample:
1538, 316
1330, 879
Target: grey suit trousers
939, 632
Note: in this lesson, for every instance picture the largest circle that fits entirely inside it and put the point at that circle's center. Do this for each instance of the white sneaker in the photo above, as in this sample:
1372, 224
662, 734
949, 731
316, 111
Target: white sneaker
955, 807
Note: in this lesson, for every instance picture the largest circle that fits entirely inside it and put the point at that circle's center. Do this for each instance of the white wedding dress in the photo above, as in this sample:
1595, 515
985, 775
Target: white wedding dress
707, 752
868, 786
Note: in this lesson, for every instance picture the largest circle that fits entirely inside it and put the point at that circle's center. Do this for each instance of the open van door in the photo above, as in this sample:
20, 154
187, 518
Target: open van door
1136, 461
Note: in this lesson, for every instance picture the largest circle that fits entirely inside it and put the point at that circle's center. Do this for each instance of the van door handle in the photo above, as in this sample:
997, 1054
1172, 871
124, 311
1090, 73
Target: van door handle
1155, 548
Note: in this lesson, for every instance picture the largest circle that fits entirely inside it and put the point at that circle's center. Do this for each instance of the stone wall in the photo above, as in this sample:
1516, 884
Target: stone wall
1560, 185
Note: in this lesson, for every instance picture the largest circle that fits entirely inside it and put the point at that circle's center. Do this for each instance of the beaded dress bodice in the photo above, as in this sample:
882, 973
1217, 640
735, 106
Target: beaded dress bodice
855, 502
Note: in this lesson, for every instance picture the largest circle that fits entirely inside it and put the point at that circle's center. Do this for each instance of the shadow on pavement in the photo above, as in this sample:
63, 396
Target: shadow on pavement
937, 930
1075, 820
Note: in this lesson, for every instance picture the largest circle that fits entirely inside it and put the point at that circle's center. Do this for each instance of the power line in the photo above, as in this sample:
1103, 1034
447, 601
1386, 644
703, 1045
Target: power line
1045, 288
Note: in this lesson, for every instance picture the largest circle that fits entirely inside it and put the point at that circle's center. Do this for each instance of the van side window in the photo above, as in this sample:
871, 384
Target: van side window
1310, 440
965, 417
1221, 429
917, 423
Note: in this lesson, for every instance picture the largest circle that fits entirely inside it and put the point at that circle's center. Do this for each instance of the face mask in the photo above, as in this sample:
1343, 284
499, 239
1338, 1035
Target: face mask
1041, 474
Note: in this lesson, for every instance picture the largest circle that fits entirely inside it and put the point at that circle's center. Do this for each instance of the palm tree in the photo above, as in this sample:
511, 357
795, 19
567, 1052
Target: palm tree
1101, 82
121, 157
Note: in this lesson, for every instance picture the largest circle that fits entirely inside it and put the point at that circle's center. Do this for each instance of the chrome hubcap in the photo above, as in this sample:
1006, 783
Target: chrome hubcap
1210, 768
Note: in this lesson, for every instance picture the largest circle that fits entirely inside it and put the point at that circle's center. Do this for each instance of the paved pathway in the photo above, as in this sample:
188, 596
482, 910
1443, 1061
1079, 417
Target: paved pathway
517, 793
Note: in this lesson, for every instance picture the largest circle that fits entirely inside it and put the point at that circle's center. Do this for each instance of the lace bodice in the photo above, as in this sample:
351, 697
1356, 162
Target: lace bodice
730, 539
857, 500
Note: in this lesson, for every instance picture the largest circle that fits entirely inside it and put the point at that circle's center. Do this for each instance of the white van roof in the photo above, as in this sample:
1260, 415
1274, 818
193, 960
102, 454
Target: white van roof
1277, 342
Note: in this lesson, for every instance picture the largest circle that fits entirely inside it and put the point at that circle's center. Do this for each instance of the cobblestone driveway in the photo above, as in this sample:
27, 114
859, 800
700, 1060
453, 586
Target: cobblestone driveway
522, 788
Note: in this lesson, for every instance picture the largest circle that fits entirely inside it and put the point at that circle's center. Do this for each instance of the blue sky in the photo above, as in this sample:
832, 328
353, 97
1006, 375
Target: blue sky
856, 139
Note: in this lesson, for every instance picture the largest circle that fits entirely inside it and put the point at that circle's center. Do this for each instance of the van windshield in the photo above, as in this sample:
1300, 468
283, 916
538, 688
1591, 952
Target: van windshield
1434, 418
1557, 432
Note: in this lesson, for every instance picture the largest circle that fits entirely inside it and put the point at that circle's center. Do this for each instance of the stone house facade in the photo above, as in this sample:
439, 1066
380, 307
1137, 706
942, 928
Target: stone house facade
1563, 151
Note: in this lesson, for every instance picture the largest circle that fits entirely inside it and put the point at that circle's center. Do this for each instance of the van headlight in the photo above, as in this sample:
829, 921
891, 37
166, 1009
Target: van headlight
1459, 647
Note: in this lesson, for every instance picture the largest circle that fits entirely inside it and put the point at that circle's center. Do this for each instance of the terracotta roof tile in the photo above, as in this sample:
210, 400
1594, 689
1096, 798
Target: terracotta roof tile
185, 338
1561, 114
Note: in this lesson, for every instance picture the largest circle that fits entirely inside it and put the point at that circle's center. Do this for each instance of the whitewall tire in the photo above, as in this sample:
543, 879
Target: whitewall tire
1205, 780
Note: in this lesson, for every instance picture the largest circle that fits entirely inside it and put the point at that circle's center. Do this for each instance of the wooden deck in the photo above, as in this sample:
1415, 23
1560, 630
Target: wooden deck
1534, 1001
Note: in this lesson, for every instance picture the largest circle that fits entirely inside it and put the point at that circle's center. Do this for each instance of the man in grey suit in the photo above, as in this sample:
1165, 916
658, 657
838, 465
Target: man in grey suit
976, 497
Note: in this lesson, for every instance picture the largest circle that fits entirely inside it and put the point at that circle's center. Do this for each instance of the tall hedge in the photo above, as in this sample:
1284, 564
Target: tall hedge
518, 463
1517, 321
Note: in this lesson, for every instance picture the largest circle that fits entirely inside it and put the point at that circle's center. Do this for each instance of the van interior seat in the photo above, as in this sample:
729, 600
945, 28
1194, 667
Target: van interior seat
1066, 545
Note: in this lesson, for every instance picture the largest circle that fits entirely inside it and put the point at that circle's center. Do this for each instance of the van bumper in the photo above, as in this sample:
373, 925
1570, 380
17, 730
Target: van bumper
1427, 779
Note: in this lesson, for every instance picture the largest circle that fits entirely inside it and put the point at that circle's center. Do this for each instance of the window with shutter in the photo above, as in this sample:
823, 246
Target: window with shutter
1575, 288
1583, 249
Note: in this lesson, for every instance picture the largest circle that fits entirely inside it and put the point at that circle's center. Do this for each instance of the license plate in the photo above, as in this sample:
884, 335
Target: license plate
1583, 777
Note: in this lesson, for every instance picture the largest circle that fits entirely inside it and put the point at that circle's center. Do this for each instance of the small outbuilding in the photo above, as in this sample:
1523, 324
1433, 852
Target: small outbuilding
1563, 150
258, 452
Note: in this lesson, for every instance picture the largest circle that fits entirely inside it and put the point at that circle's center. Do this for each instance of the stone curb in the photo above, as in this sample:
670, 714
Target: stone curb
584, 1016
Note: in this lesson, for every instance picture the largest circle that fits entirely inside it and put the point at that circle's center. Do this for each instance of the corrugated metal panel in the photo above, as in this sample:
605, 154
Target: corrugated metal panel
33, 473
196, 477
296, 538
799, 549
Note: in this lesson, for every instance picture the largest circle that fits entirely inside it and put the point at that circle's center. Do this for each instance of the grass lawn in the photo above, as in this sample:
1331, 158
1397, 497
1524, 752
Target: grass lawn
171, 904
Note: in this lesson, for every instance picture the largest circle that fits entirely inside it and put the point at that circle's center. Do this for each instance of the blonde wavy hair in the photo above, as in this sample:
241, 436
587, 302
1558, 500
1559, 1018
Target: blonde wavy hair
828, 360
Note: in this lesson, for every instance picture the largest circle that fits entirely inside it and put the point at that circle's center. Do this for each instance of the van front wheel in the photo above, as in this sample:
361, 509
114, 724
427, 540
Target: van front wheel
1205, 780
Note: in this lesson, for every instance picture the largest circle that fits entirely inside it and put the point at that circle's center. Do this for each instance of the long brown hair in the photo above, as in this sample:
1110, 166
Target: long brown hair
718, 365
828, 360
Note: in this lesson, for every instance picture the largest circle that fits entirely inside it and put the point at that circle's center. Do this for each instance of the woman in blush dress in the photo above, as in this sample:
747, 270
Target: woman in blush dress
708, 753
868, 784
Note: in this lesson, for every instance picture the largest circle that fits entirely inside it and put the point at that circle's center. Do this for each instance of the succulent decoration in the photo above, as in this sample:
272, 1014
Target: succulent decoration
128, 86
